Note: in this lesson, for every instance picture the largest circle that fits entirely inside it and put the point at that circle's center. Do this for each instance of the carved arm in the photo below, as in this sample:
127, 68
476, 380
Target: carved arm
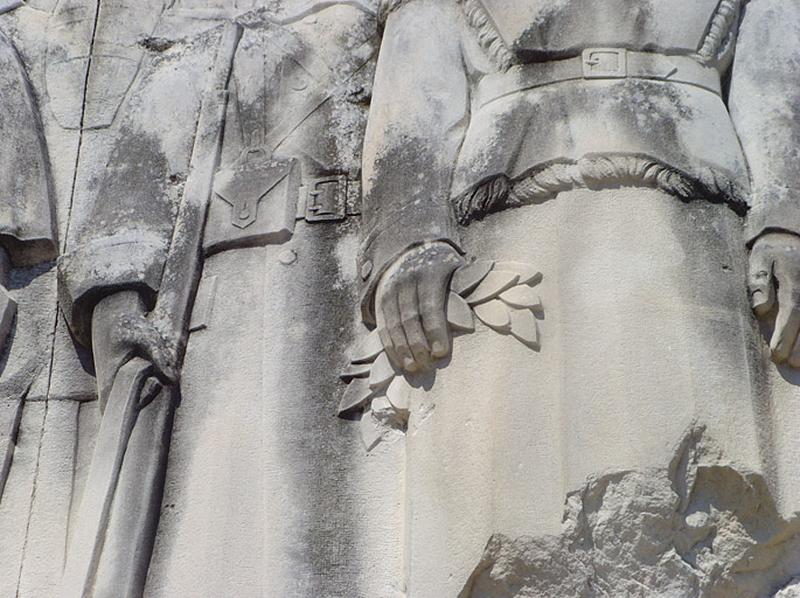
765, 106
416, 124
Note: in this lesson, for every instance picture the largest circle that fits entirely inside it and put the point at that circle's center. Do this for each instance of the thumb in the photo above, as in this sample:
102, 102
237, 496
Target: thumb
787, 323
761, 289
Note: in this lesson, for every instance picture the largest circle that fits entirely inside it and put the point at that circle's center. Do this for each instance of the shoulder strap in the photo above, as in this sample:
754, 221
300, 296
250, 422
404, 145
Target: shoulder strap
327, 82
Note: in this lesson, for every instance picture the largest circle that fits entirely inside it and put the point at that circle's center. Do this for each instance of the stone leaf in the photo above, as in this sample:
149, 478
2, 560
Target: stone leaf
521, 297
492, 285
527, 273
371, 430
495, 315
382, 372
357, 394
525, 328
470, 276
399, 394
358, 370
369, 349
459, 315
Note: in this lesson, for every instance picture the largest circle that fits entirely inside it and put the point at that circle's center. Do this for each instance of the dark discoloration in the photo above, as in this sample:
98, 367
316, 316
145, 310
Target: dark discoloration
27, 215
156, 44
136, 176
321, 450
537, 30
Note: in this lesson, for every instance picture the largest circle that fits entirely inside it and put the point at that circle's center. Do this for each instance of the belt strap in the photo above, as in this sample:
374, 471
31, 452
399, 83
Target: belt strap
599, 63
329, 198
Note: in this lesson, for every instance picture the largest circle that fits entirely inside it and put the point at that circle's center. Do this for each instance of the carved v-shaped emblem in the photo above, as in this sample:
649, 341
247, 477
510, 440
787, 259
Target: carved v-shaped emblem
244, 183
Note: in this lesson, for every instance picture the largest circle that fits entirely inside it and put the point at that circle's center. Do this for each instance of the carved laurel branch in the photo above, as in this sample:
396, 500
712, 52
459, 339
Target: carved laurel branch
499, 294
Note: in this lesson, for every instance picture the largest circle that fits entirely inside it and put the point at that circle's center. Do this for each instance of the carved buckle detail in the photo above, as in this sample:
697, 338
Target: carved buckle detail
326, 199
605, 63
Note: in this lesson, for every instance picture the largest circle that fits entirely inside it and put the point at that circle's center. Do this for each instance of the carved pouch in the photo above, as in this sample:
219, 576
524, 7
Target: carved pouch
254, 202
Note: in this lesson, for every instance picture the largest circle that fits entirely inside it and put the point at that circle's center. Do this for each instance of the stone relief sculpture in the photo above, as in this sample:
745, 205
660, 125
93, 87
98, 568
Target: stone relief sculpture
98, 47
629, 141
277, 229
540, 258
27, 228
27, 219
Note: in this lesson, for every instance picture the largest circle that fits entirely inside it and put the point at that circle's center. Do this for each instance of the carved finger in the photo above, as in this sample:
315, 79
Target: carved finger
760, 284
794, 357
384, 305
412, 326
787, 322
395, 342
432, 299
143, 338
155, 352
151, 345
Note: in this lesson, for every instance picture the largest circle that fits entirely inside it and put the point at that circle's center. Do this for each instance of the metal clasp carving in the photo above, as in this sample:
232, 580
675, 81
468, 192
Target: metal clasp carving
326, 199
605, 63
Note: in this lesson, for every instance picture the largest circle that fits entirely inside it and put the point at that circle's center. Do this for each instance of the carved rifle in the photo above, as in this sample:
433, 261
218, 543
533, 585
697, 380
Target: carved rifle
117, 519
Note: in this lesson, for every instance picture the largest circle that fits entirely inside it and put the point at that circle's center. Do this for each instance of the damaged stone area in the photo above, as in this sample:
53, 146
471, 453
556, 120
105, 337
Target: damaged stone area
699, 527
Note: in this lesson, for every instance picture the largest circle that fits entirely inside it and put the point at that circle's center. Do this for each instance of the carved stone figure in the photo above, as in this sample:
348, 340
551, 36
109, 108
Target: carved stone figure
263, 487
27, 225
616, 146
540, 257
27, 221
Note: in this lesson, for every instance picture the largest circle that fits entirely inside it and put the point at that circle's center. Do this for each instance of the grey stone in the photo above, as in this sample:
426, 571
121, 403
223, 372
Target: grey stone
226, 223
468, 277
633, 534
490, 287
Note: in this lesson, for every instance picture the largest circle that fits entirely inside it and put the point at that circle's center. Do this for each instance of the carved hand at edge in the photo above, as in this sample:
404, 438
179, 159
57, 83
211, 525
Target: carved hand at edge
121, 331
411, 305
775, 276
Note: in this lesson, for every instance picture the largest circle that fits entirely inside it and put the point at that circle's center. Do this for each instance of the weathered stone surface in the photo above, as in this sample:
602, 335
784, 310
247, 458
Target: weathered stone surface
554, 220
696, 527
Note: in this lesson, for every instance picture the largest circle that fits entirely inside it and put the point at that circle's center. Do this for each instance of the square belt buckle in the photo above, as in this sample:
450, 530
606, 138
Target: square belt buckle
326, 199
605, 63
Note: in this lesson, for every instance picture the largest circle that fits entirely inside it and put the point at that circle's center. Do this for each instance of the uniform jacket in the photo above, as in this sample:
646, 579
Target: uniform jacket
467, 118
296, 114
27, 219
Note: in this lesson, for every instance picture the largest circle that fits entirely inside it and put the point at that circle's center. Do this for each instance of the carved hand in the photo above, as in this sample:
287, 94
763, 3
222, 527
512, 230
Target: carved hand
775, 270
120, 331
411, 304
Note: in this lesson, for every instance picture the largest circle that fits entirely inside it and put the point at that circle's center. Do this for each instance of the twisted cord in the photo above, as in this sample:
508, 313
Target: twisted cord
385, 7
488, 36
597, 172
721, 32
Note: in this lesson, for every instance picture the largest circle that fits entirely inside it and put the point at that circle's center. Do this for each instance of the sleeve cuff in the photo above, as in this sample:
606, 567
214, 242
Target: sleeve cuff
408, 228
774, 209
130, 261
